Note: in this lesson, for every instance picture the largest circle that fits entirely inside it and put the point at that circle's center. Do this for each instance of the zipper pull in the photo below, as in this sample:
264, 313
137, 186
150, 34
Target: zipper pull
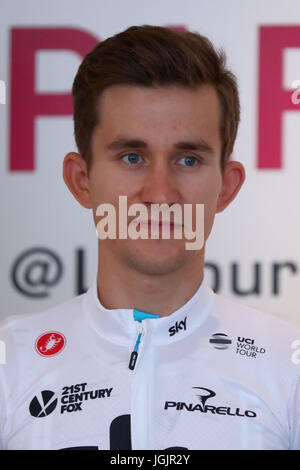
134, 354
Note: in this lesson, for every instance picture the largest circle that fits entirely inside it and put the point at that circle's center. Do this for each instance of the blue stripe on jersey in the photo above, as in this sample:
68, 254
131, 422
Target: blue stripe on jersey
139, 316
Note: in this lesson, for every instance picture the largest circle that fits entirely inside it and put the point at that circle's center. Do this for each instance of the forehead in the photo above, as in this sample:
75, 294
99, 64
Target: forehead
163, 112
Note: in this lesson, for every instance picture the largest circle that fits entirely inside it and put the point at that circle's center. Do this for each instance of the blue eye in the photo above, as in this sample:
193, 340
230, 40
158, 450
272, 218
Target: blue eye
132, 157
190, 161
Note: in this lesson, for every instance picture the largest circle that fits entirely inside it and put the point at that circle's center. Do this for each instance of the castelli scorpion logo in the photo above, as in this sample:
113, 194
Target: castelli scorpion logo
50, 343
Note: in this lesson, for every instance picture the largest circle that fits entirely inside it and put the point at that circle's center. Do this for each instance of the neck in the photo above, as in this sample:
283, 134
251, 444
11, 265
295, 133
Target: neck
121, 287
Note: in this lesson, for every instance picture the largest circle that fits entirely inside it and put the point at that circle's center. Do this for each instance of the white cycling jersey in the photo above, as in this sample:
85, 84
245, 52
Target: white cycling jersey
212, 375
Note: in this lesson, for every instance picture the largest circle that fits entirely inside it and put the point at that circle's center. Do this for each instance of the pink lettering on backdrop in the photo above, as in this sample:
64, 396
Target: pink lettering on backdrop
25, 103
273, 99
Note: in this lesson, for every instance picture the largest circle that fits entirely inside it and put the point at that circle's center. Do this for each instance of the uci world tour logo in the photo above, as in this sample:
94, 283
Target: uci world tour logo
245, 347
220, 341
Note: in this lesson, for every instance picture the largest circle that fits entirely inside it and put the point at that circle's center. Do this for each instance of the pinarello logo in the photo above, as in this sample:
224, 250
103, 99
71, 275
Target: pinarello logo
50, 343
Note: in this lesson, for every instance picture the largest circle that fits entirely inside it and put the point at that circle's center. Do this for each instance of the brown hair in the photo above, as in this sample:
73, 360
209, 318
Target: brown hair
153, 56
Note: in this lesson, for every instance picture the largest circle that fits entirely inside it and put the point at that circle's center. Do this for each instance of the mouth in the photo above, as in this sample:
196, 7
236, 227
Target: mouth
155, 224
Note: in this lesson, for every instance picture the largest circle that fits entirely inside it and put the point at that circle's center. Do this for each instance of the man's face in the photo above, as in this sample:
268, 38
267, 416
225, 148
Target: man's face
156, 171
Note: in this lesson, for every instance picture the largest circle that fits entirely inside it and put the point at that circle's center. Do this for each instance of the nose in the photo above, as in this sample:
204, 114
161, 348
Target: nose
160, 185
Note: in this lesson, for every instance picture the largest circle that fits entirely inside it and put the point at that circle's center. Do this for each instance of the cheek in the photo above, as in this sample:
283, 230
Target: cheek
205, 191
106, 186
102, 185
109, 182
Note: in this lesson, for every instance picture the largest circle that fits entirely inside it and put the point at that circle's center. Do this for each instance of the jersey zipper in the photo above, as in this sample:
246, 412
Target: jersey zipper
134, 354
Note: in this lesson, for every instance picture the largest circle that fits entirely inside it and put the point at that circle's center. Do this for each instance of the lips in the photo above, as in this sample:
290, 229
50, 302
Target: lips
152, 227
156, 223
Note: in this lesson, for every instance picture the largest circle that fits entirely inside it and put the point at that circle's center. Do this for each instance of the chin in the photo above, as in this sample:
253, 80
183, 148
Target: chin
161, 260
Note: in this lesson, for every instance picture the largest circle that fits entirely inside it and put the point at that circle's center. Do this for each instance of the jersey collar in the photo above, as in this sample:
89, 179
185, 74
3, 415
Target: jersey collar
119, 325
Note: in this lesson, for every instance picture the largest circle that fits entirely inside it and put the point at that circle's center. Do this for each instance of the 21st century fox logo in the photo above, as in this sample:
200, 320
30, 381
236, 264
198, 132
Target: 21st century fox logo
72, 398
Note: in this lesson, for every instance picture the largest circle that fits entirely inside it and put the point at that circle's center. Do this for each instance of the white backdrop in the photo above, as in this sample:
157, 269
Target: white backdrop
261, 227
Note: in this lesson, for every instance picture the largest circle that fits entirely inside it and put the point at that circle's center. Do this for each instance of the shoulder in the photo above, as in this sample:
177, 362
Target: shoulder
253, 317
276, 336
45, 319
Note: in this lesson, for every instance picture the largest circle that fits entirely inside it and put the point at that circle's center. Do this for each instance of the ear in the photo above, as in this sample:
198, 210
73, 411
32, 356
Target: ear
233, 178
76, 178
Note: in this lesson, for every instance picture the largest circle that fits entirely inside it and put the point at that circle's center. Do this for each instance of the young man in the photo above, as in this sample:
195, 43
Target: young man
150, 357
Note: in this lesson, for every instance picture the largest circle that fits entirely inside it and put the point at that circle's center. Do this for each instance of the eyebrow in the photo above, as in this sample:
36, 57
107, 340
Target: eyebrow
121, 143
